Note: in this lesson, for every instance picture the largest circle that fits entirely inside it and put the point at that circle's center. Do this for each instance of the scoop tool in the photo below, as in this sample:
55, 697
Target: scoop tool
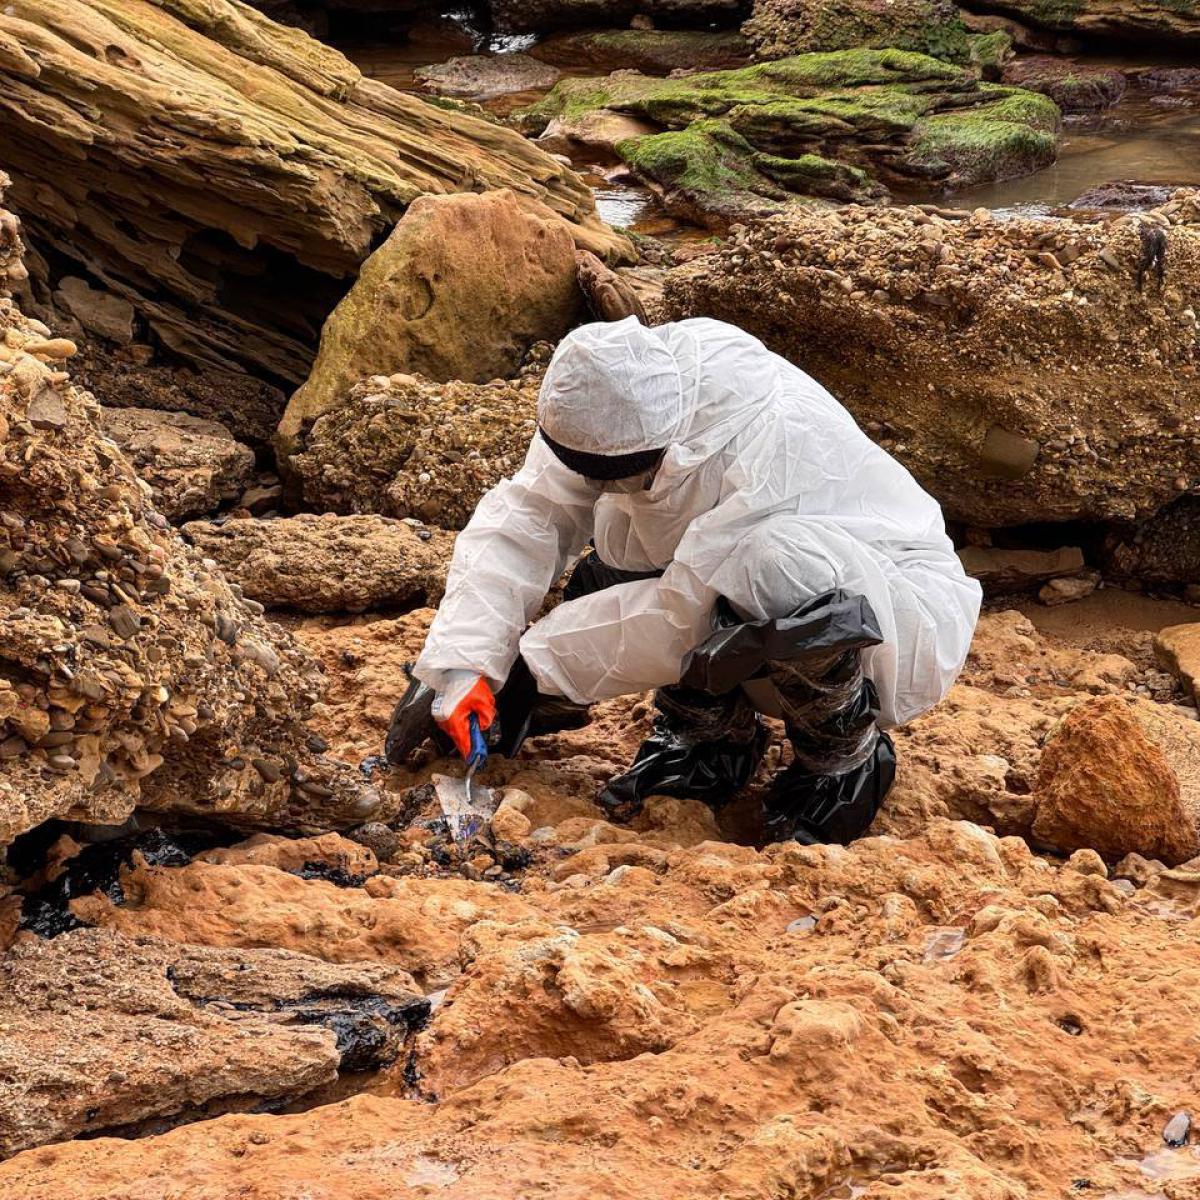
466, 805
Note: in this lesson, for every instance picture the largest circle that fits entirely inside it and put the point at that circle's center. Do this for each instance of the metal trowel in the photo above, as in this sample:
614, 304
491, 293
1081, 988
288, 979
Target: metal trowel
467, 805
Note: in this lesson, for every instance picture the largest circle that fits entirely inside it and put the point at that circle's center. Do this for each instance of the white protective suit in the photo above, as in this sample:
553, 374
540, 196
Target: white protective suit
769, 494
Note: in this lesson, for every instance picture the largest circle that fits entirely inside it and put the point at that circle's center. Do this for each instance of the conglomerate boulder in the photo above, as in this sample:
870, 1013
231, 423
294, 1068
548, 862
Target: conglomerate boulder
202, 162
329, 563
1015, 366
405, 446
131, 674
721, 145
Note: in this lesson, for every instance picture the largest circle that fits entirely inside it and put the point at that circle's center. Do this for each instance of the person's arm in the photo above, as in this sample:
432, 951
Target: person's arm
505, 561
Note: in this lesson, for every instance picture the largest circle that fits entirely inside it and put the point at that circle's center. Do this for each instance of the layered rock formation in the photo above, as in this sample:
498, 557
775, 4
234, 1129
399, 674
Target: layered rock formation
740, 143
1165, 21
537, 16
460, 290
318, 564
132, 675
1015, 367
1073, 88
101, 1032
201, 161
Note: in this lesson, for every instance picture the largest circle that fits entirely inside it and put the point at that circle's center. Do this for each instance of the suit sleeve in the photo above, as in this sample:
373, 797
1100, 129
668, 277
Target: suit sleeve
505, 561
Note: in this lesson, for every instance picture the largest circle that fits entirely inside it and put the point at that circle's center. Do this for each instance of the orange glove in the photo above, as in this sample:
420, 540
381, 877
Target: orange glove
464, 697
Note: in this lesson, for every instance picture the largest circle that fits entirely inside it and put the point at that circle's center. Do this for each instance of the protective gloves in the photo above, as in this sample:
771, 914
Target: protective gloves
464, 694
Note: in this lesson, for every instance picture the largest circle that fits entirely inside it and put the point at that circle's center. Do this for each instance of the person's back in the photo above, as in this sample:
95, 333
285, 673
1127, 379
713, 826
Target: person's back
722, 489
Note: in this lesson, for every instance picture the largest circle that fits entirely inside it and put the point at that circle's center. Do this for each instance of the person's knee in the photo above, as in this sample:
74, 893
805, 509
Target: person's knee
777, 567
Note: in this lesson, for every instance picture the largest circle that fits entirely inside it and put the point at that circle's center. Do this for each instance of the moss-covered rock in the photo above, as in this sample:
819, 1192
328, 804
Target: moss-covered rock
1165, 21
852, 119
781, 27
989, 52
1072, 87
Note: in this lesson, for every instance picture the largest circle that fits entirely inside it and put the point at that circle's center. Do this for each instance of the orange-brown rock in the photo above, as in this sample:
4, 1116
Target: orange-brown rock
1103, 784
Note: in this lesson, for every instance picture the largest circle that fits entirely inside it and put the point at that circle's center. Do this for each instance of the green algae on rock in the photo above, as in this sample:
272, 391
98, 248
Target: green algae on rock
1163, 21
836, 125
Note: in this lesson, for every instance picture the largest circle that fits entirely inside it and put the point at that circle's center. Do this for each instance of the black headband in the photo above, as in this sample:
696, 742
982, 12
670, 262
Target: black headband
603, 466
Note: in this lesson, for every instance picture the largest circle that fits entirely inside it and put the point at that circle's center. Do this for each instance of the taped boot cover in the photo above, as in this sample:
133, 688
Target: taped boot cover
703, 747
844, 765
521, 712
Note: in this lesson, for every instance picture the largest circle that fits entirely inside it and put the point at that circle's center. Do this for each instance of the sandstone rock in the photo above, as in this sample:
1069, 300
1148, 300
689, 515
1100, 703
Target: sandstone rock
778, 28
1072, 87
1102, 784
329, 563
486, 76
193, 466
408, 447
1015, 570
460, 290
328, 853
97, 311
276, 167
609, 297
132, 674
740, 143
1178, 649
540, 15
1052, 342
99, 1033
1068, 589
655, 51
1152, 21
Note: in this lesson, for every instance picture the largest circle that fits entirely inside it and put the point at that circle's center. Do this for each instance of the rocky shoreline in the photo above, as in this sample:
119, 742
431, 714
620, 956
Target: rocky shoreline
269, 330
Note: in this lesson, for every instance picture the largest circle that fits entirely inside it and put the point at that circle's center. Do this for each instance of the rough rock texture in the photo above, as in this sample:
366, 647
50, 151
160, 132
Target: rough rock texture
248, 407
100, 1032
1102, 784
1178, 649
407, 447
742, 143
486, 76
1165, 548
537, 16
1072, 87
777, 28
329, 563
1013, 365
99, 312
1014, 570
914, 1017
609, 297
655, 51
193, 466
460, 290
131, 673
202, 161
1168, 22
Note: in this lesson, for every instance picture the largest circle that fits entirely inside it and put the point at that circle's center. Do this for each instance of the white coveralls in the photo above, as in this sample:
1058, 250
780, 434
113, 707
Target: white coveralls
769, 495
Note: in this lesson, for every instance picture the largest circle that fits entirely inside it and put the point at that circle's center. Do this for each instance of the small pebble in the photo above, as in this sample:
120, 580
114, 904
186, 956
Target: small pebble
1176, 1130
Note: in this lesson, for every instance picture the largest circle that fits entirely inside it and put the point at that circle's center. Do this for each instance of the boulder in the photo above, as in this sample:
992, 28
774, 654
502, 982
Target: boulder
405, 446
205, 164
1177, 648
655, 51
1165, 548
609, 297
486, 76
99, 312
324, 564
537, 16
1104, 785
193, 466
777, 28
724, 145
1167, 22
99, 1033
131, 673
1013, 366
1018, 570
460, 290
1073, 87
